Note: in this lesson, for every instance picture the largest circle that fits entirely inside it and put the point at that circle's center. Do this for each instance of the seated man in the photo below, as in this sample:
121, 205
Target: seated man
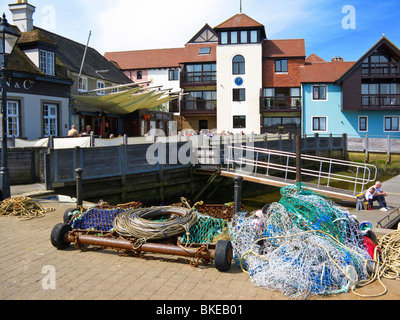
380, 197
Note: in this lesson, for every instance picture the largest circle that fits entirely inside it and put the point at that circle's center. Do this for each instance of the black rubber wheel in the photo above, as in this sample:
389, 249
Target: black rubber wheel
223, 255
57, 236
68, 214
370, 234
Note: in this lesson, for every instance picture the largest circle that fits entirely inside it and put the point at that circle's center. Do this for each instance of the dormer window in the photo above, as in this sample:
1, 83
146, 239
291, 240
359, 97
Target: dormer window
239, 37
46, 62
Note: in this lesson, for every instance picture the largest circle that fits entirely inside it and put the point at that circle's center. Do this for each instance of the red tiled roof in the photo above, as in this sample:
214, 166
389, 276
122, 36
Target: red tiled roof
239, 21
313, 58
324, 71
284, 48
161, 58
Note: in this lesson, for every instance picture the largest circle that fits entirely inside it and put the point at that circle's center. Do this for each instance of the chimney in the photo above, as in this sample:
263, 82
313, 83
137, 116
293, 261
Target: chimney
22, 13
337, 59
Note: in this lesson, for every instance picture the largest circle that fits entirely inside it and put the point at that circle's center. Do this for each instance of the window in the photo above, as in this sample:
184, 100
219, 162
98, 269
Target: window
238, 65
239, 122
49, 120
281, 66
239, 94
205, 50
362, 124
173, 75
114, 89
319, 92
101, 85
83, 84
253, 36
319, 124
139, 75
234, 37
243, 36
46, 62
391, 124
224, 37
12, 119
282, 122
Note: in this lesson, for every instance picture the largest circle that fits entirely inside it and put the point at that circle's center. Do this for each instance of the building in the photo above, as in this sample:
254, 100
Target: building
44, 71
357, 98
233, 78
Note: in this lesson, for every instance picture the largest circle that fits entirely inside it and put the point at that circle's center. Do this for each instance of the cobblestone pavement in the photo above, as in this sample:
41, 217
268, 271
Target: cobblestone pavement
27, 259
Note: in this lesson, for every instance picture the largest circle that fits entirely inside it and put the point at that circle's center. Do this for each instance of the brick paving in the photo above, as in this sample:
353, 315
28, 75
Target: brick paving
25, 250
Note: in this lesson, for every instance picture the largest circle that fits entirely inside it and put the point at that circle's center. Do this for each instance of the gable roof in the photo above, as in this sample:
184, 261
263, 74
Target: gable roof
284, 48
240, 20
206, 34
313, 58
383, 42
324, 71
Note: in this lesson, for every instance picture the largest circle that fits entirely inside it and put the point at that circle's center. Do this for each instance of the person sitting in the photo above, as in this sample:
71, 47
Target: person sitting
379, 196
73, 132
369, 196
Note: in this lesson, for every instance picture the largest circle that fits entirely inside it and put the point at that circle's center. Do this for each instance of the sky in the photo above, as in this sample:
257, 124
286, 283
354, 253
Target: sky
345, 28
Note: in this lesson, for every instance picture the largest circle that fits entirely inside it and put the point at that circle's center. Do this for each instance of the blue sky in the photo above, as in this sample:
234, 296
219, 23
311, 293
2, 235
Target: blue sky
119, 25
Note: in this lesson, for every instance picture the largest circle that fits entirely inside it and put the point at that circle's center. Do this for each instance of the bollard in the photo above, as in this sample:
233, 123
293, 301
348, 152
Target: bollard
79, 200
238, 193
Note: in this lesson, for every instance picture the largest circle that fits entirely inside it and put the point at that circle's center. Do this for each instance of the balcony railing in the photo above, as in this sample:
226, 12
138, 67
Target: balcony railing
381, 69
199, 78
381, 101
278, 103
199, 106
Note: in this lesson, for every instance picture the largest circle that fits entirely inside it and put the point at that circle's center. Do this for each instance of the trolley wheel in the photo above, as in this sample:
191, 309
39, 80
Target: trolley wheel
68, 214
223, 255
57, 236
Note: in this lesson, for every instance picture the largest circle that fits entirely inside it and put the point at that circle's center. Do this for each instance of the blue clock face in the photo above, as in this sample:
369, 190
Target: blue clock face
238, 81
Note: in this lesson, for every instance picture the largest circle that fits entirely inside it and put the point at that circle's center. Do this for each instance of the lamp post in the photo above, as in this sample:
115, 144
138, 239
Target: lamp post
8, 40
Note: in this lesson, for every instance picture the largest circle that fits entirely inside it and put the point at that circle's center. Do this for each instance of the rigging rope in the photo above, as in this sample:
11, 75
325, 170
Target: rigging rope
23, 208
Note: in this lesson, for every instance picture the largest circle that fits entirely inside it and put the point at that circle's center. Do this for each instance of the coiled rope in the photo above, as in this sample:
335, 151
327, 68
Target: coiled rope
387, 263
23, 208
141, 223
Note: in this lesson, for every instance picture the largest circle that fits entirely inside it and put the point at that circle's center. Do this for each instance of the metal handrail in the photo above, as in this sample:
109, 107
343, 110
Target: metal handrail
365, 173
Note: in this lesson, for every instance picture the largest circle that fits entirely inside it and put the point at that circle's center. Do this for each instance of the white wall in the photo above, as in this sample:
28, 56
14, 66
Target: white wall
31, 113
226, 107
160, 78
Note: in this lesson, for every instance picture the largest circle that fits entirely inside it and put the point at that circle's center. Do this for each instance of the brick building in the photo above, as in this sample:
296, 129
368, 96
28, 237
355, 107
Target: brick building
233, 78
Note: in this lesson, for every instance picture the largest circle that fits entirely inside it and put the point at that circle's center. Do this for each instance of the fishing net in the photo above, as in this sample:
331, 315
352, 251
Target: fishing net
98, 219
206, 230
305, 244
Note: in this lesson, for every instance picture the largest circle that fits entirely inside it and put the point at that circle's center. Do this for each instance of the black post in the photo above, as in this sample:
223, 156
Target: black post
238, 193
4, 171
79, 200
298, 159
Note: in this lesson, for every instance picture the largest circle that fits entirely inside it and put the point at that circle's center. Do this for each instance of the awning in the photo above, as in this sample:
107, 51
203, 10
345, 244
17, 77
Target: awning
126, 102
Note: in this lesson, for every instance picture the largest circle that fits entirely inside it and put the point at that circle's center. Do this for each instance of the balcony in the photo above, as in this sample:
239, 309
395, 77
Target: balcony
280, 103
204, 78
381, 101
199, 107
381, 70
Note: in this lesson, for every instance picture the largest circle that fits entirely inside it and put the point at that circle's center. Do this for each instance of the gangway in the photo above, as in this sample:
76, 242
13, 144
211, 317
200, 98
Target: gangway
278, 168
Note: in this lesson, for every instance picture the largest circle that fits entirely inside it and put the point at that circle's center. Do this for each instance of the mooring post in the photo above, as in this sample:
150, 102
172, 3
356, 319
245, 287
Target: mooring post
79, 199
298, 159
238, 193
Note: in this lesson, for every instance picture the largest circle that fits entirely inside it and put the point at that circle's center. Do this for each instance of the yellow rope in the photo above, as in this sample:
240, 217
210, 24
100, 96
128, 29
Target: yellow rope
23, 208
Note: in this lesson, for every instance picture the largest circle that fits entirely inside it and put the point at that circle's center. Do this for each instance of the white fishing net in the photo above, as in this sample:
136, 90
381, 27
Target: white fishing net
305, 244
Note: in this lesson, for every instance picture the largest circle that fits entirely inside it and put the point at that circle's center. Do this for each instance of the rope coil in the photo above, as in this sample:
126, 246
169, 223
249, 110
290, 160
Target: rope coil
23, 208
141, 223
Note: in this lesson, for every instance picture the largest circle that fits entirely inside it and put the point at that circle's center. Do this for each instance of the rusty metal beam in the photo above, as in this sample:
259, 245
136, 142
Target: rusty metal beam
124, 244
